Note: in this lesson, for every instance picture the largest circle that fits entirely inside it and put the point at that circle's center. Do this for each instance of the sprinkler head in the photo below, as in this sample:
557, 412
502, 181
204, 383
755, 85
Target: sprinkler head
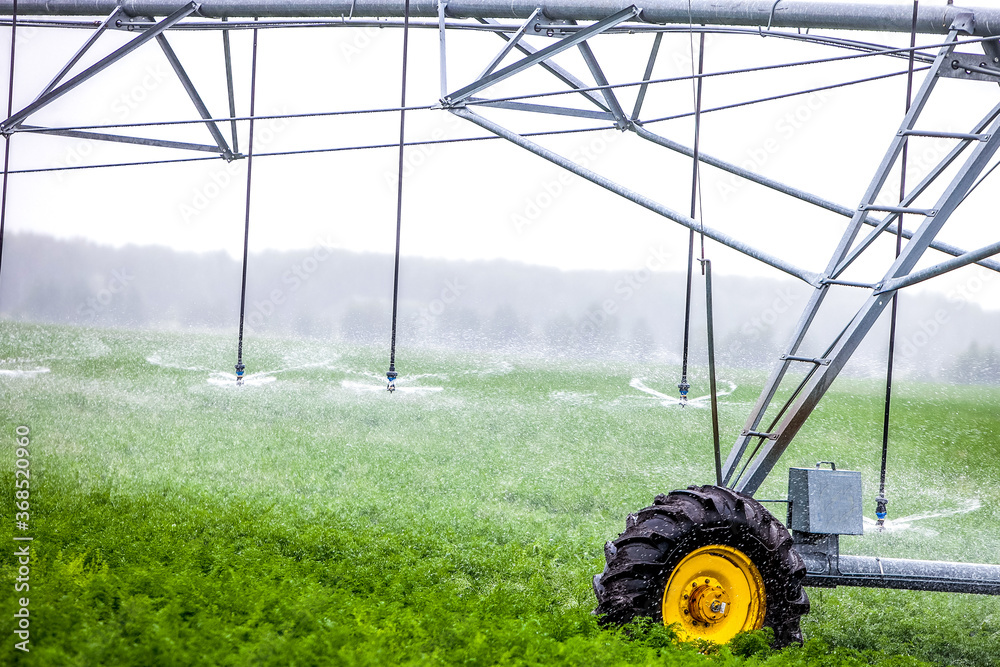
880, 506
240, 370
391, 376
684, 387
880, 512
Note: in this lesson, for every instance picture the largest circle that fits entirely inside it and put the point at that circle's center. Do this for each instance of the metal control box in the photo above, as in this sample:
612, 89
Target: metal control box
825, 501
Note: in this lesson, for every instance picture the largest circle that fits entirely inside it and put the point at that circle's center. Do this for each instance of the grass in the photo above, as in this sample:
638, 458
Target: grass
312, 521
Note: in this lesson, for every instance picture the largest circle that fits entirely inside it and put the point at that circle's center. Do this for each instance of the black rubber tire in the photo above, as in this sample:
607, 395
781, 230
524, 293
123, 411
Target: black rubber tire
657, 538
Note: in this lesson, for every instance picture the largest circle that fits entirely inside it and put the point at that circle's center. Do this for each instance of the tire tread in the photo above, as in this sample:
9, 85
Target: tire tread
657, 537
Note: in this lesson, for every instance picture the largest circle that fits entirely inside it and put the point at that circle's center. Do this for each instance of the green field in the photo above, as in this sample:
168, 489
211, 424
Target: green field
314, 519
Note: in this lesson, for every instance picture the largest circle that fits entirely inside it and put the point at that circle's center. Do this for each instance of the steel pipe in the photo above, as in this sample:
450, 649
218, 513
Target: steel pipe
795, 192
899, 573
635, 197
787, 14
939, 269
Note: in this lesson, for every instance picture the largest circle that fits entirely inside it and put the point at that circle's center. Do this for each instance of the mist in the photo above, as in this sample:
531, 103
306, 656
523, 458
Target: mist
331, 294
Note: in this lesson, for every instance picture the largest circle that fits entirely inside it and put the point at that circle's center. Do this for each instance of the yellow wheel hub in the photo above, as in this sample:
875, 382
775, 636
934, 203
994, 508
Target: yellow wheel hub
713, 594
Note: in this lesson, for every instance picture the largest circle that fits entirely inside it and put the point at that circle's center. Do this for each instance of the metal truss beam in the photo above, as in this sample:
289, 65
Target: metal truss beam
541, 55
543, 108
646, 76
921, 187
43, 100
641, 200
192, 92
228, 56
774, 439
553, 68
122, 139
621, 122
116, 14
817, 384
832, 15
939, 269
802, 195
512, 41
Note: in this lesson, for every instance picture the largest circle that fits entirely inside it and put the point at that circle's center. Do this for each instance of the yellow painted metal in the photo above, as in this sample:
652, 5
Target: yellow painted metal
713, 594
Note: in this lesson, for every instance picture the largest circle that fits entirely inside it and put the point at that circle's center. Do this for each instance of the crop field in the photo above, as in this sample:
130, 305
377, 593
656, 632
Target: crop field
309, 518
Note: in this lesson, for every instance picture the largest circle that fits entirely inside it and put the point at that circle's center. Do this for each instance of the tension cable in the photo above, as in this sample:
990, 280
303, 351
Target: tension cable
240, 368
10, 112
881, 501
391, 374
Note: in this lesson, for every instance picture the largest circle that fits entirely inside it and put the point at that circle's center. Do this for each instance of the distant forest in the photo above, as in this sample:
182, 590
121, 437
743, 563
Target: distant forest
329, 293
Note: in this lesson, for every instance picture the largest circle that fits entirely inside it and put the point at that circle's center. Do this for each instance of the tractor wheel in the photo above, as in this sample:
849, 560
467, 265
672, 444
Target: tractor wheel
711, 561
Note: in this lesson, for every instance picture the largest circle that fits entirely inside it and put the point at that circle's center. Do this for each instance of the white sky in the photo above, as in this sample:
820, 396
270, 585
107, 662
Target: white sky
481, 200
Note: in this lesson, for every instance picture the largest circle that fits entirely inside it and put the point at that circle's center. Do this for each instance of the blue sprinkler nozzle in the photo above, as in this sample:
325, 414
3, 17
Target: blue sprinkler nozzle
391, 376
240, 370
881, 511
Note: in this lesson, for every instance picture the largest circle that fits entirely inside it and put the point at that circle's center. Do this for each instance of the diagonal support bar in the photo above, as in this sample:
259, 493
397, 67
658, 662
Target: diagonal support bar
952, 155
116, 14
645, 202
543, 108
646, 76
869, 313
227, 54
192, 92
802, 195
123, 139
43, 100
891, 155
621, 122
554, 69
541, 55
512, 41
765, 461
939, 269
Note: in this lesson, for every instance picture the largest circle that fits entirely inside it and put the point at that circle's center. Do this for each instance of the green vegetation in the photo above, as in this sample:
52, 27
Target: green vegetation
316, 520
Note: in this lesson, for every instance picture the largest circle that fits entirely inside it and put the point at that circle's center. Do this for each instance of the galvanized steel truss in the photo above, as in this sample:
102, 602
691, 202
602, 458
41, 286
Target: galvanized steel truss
822, 368
746, 467
150, 30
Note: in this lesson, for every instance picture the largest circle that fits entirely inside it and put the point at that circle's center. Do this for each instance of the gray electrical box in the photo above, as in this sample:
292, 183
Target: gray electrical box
825, 501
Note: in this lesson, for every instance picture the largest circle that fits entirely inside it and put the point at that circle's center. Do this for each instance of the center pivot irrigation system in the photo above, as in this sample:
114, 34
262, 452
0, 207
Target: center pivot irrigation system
711, 559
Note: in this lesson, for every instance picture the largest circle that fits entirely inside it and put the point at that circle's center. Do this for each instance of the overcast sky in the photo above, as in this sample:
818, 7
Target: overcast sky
478, 200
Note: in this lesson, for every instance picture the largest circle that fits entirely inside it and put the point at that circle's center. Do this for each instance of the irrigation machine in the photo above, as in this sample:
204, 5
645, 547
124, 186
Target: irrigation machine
710, 559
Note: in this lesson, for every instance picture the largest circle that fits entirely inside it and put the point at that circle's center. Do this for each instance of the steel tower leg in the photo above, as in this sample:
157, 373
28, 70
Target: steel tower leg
773, 439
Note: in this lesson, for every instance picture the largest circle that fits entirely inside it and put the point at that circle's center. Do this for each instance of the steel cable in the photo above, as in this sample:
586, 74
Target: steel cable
337, 149
6, 148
